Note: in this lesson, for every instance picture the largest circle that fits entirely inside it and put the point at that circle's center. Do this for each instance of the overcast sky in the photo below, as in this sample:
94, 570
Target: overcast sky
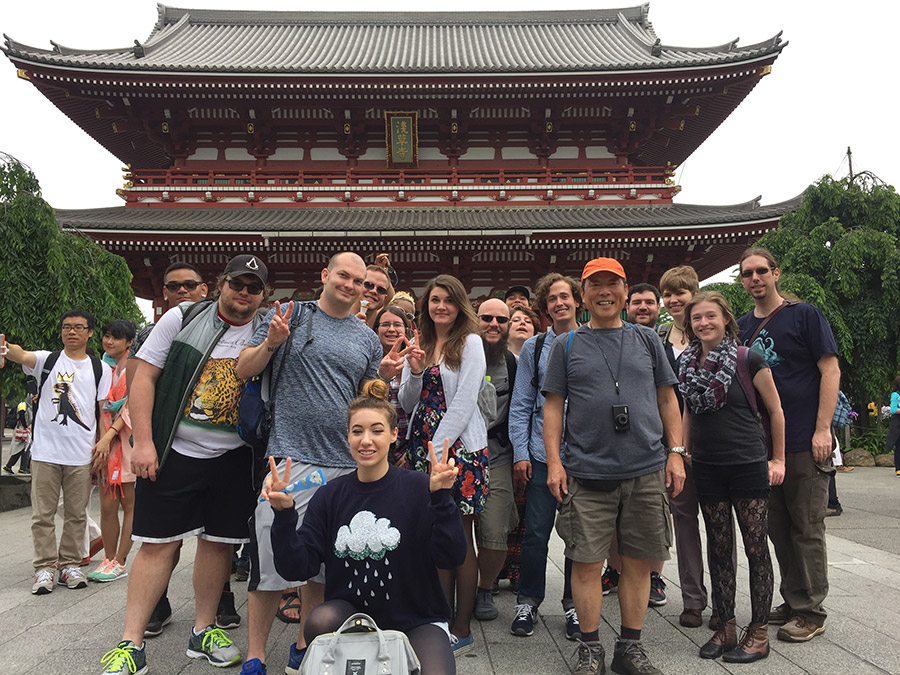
833, 86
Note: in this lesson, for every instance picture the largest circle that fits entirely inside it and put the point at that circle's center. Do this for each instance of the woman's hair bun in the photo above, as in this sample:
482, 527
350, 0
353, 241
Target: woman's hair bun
376, 388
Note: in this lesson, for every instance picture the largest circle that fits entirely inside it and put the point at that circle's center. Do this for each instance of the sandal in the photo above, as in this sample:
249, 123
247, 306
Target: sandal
293, 602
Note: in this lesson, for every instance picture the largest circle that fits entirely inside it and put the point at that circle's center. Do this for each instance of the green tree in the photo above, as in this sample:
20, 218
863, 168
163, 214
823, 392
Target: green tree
840, 252
44, 272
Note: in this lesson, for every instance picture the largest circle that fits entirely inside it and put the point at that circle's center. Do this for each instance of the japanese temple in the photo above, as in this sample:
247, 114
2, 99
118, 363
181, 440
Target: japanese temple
495, 146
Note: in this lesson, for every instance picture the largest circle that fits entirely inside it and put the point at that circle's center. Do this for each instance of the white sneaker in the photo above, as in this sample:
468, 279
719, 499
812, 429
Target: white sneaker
43, 583
72, 577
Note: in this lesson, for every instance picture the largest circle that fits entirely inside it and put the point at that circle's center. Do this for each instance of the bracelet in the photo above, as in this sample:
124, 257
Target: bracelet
271, 349
419, 374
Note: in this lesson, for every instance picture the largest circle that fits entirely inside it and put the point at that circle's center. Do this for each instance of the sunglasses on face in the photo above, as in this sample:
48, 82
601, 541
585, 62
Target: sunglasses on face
238, 286
381, 290
173, 286
487, 318
759, 271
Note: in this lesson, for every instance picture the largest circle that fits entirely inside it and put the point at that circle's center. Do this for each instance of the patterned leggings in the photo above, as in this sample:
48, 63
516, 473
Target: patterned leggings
753, 519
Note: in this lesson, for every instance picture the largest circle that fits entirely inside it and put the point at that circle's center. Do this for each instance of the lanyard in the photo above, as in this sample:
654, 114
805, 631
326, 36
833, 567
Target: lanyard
613, 375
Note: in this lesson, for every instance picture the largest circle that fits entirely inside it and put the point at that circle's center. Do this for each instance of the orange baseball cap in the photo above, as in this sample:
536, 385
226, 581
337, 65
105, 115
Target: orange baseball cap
603, 265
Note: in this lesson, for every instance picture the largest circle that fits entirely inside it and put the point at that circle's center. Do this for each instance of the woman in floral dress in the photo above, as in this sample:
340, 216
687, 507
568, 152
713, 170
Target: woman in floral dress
439, 389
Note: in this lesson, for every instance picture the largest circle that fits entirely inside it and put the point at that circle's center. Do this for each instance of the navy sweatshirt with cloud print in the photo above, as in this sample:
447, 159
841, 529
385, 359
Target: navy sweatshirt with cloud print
382, 544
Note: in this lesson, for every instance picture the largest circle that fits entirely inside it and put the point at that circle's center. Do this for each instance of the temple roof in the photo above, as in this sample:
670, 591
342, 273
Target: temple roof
311, 43
412, 221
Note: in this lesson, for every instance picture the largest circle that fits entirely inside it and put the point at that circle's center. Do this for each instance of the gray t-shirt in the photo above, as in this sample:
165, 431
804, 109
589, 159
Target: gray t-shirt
316, 385
499, 447
594, 449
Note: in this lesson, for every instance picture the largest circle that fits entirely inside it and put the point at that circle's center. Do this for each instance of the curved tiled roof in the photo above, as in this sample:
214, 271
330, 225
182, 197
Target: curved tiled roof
419, 221
313, 43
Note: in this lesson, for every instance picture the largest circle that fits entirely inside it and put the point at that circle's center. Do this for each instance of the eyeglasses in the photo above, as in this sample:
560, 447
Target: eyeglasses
238, 286
393, 324
173, 286
487, 318
759, 271
368, 285
66, 328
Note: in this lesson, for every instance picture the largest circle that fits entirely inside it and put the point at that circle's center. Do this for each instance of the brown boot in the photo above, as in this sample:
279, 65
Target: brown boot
754, 645
723, 640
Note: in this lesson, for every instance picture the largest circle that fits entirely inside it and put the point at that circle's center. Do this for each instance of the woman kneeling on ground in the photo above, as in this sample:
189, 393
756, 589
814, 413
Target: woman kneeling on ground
728, 454
382, 533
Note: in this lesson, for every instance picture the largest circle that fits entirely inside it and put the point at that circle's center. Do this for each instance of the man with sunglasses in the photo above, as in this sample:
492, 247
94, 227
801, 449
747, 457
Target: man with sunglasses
798, 344
71, 383
194, 471
376, 293
499, 515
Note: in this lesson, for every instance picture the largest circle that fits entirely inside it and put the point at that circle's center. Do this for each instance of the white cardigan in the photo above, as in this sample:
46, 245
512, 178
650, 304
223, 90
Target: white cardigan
462, 420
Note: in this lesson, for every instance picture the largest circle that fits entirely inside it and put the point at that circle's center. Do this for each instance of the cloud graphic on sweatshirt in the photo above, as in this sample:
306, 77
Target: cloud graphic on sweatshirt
366, 537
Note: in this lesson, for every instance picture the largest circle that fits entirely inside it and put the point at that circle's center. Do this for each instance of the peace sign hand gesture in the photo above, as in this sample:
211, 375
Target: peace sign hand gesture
442, 473
280, 325
272, 490
392, 363
415, 356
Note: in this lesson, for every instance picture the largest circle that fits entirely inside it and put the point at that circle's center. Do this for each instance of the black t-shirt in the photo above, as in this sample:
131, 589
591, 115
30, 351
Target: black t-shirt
792, 344
732, 434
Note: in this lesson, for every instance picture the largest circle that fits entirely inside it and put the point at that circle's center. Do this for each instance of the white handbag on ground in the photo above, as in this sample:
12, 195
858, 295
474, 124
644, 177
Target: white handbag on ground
371, 652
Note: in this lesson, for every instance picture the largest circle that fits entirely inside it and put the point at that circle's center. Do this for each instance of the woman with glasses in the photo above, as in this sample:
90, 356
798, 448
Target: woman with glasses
727, 445
439, 389
523, 324
391, 325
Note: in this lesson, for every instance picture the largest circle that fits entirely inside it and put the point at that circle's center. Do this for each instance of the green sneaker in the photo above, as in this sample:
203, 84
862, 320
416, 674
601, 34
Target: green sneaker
215, 646
125, 659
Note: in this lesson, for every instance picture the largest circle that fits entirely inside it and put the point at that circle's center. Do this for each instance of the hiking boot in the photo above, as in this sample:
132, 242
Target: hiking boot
629, 658
43, 583
485, 609
691, 618
215, 646
226, 615
523, 623
723, 640
72, 578
591, 659
609, 580
754, 645
573, 628
799, 629
657, 591
162, 615
780, 615
125, 659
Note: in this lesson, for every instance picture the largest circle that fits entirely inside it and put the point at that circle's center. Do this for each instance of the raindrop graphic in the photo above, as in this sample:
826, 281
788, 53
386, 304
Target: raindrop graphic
350, 585
387, 562
387, 596
375, 573
366, 579
389, 576
372, 593
381, 583
366, 603
356, 573
367, 565
346, 564
357, 592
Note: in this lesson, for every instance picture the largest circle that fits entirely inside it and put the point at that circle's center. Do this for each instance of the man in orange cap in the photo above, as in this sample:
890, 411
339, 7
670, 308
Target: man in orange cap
618, 387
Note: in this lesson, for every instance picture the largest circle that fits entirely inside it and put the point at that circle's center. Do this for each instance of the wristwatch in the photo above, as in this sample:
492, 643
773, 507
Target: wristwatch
678, 450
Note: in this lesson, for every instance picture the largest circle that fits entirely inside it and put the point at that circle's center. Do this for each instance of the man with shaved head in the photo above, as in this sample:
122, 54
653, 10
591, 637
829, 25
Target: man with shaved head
316, 374
499, 515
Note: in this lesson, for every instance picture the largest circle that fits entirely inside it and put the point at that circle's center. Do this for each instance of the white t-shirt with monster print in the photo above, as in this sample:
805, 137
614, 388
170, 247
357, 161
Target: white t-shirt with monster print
65, 428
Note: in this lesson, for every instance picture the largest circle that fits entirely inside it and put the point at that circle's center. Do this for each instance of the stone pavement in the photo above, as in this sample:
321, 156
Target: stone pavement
68, 631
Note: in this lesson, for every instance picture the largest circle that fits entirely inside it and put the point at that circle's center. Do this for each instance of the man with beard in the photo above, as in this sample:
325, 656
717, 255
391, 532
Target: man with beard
643, 305
499, 515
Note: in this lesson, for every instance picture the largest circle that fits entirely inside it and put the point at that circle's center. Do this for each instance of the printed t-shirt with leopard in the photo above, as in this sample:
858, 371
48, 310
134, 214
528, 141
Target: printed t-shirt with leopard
65, 429
208, 426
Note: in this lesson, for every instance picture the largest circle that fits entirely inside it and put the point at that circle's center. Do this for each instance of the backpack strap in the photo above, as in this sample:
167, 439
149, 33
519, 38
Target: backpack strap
568, 344
743, 373
646, 340
538, 349
759, 328
190, 311
97, 367
51, 360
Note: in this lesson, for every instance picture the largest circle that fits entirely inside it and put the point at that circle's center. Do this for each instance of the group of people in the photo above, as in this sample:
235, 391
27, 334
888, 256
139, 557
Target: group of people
605, 428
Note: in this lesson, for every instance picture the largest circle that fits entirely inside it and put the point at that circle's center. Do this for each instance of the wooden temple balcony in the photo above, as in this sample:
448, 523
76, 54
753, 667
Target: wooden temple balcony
620, 185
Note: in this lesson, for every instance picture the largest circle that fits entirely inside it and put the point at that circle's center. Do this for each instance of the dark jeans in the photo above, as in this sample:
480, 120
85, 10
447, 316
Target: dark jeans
540, 515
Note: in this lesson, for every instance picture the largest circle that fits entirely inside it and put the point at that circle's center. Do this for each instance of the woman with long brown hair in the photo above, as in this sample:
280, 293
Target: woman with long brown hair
439, 389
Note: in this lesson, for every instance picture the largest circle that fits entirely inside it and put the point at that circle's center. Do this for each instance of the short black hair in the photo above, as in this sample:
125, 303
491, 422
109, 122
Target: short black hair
642, 288
84, 314
121, 329
181, 265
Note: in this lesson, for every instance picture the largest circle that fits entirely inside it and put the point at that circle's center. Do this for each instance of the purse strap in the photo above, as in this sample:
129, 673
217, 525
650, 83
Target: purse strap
359, 620
771, 316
